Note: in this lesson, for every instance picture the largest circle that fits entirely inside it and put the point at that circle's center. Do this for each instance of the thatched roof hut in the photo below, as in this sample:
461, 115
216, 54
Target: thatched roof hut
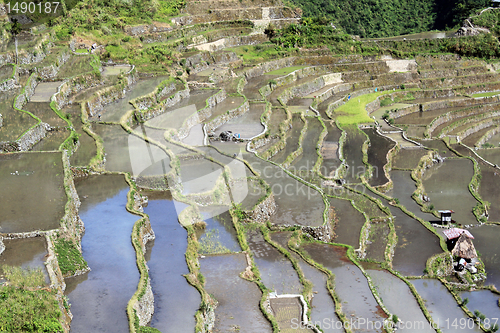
464, 248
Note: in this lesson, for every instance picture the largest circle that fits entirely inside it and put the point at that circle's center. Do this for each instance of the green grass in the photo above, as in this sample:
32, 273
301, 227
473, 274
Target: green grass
486, 94
70, 259
285, 71
354, 111
24, 310
31, 277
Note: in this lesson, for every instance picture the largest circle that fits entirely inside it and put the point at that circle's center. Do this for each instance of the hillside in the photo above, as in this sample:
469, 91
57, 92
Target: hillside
382, 18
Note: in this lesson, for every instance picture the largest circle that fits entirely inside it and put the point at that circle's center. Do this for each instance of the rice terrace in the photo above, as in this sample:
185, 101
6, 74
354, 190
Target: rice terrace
249, 166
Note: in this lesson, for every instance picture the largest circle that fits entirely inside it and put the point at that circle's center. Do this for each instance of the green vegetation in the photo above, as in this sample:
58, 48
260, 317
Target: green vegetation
285, 71
486, 94
379, 18
354, 111
70, 259
30, 277
24, 308
210, 243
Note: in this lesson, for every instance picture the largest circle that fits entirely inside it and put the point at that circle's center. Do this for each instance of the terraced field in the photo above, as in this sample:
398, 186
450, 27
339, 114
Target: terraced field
300, 193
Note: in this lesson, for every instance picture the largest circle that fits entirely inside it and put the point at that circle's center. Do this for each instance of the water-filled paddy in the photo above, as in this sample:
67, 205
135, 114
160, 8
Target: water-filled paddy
114, 111
276, 271
28, 252
307, 160
248, 125
238, 298
446, 184
350, 284
15, 122
292, 140
323, 307
297, 203
34, 198
399, 300
377, 156
443, 307
176, 301
106, 247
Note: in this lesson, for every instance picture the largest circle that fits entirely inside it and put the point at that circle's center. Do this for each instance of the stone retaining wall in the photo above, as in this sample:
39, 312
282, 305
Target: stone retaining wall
224, 118
475, 128
108, 95
232, 42
52, 70
263, 211
12, 81
74, 86
487, 136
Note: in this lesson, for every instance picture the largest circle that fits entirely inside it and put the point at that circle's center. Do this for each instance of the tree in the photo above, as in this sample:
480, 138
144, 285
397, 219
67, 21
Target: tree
15, 27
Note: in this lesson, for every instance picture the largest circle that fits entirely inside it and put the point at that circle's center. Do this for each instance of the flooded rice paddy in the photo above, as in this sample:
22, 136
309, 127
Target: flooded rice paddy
291, 174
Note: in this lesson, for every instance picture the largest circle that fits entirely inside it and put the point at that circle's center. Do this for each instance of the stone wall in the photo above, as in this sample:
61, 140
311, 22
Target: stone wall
159, 109
475, 128
109, 95
51, 71
487, 136
224, 118
156, 27
263, 211
12, 81
74, 86
232, 42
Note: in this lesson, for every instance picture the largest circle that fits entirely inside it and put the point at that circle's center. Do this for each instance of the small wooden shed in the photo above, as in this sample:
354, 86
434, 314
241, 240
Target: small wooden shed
446, 216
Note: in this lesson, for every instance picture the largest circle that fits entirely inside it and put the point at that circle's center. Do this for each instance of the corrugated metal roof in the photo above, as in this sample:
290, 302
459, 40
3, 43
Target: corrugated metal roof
456, 232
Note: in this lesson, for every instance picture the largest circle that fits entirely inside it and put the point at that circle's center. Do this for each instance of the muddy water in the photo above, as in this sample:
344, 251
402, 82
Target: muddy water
128, 153
489, 191
323, 308
278, 116
353, 154
28, 252
99, 298
52, 141
377, 156
35, 197
491, 155
447, 183
176, 301
296, 202
439, 146
251, 89
443, 307
255, 192
351, 286
276, 271
403, 188
408, 158
485, 241
114, 111
415, 244
199, 175
309, 156
15, 122
175, 116
229, 103
483, 301
292, 140
377, 241
399, 300
350, 222
329, 150
220, 226
238, 299
45, 113
248, 125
